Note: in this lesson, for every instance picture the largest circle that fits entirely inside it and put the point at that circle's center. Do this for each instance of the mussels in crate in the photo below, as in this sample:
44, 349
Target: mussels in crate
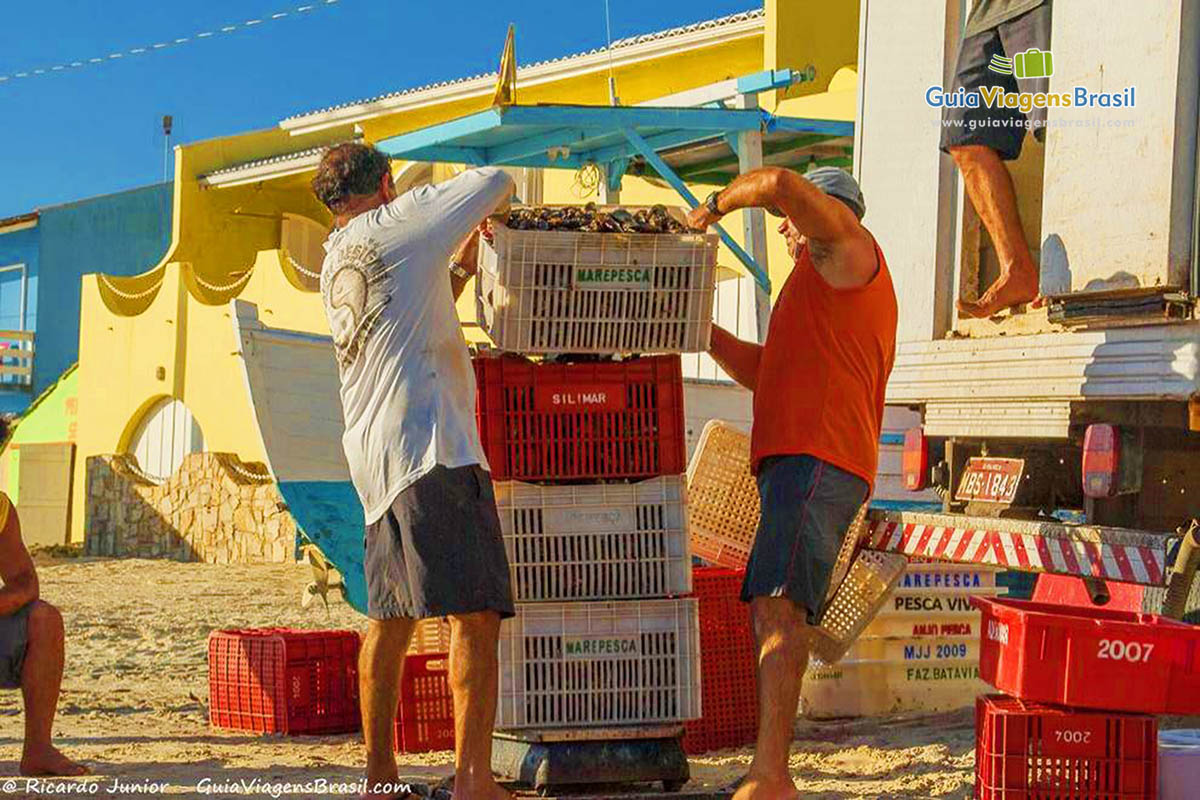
591, 218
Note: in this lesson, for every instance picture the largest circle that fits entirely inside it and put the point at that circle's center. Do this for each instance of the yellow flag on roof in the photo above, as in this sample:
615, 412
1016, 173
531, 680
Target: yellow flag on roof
506, 83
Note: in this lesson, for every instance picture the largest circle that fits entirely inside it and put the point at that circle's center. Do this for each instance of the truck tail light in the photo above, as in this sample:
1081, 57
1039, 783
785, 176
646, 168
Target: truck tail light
1112, 461
914, 463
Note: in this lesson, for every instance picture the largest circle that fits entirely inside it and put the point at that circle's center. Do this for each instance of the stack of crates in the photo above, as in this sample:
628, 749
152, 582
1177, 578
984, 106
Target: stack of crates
919, 653
586, 461
1081, 688
587, 455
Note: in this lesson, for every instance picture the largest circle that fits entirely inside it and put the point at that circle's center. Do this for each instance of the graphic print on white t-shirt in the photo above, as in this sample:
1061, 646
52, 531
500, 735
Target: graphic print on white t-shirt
408, 387
356, 295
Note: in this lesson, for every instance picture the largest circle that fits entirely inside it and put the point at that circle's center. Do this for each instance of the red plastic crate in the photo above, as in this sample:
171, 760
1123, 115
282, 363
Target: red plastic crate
1069, 590
277, 680
425, 717
727, 661
584, 421
1024, 750
1090, 657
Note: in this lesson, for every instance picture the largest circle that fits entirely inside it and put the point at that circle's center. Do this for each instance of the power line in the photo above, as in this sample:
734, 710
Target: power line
182, 40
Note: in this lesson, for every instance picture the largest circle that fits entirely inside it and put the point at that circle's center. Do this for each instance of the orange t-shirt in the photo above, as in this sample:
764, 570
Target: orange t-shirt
824, 368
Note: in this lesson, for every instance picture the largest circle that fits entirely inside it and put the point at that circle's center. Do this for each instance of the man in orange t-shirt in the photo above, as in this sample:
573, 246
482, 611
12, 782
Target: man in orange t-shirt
818, 384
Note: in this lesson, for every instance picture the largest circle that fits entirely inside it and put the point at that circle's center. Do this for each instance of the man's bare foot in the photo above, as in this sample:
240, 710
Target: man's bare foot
1011, 289
49, 761
756, 788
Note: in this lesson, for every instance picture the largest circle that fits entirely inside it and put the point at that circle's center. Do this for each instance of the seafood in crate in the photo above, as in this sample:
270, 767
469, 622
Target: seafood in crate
574, 290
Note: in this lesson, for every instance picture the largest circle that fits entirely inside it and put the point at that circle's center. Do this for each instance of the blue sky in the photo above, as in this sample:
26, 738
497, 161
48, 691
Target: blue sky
86, 131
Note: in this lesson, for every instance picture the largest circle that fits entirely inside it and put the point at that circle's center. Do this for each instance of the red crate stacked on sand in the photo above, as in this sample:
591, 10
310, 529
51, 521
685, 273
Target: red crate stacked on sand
278, 680
1082, 687
727, 681
425, 719
425, 712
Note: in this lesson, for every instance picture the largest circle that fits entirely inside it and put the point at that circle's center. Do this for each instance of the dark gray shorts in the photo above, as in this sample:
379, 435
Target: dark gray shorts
807, 507
1002, 129
14, 636
438, 550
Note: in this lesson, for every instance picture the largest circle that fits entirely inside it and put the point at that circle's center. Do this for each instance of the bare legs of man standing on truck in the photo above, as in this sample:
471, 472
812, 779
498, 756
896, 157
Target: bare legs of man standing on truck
981, 139
990, 187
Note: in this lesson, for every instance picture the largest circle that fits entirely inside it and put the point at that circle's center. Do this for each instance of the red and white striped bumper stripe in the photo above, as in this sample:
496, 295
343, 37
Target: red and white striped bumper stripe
1129, 557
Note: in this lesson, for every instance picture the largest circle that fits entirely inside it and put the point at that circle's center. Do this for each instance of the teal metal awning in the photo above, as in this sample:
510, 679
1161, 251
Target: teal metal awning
568, 137
674, 144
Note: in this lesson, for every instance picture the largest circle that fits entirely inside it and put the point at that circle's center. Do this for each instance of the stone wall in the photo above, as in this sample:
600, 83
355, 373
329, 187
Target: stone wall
214, 508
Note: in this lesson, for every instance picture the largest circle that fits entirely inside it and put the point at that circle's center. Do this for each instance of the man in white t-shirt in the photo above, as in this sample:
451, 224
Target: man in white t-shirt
394, 266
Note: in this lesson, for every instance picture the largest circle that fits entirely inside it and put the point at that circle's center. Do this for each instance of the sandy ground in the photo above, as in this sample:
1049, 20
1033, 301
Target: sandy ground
135, 693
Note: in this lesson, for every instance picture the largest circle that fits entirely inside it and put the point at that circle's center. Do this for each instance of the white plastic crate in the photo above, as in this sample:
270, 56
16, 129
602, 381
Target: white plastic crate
865, 689
921, 577
596, 541
914, 650
583, 292
935, 603
920, 652
942, 610
874, 605
922, 626
599, 664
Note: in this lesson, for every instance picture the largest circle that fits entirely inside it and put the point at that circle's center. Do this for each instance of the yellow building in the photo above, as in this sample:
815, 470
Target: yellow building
159, 375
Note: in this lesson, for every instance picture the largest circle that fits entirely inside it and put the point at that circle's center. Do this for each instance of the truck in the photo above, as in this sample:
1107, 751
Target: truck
1076, 420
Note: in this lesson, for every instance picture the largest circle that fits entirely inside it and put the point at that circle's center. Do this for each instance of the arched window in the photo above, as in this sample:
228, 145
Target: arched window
166, 433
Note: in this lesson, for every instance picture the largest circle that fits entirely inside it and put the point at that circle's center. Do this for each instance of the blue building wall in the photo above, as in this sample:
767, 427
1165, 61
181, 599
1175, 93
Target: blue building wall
118, 234
18, 248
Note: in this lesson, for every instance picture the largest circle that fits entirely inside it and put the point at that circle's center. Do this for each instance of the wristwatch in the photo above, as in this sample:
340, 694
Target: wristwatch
458, 271
711, 203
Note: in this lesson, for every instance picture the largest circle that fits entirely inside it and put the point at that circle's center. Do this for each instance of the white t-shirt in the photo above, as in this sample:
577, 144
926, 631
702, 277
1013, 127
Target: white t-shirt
408, 388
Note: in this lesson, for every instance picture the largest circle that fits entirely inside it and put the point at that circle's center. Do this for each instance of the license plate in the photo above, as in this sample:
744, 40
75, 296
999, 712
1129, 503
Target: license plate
991, 480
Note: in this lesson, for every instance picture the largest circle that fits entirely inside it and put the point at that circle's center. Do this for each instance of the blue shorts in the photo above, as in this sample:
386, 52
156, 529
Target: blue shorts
1001, 129
807, 508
